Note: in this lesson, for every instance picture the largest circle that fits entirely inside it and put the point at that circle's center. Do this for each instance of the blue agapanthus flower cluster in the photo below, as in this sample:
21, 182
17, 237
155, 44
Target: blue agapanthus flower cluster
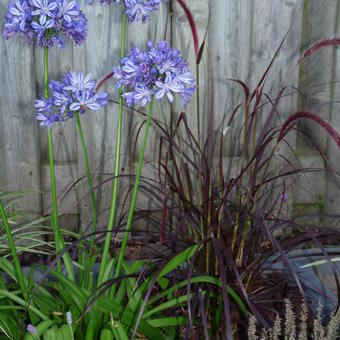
135, 10
75, 92
160, 70
46, 22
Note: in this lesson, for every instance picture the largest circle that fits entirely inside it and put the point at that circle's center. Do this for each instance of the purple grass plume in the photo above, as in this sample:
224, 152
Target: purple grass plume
159, 70
291, 121
46, 22
317, 46
75, 92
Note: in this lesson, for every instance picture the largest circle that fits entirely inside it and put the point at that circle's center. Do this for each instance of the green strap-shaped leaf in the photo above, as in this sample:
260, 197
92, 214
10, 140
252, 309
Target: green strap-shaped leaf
178, 260
106, 335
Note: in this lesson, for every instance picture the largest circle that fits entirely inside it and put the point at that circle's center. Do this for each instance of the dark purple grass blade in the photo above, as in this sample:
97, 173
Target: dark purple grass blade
164, 214
244, 86
269, 118
284, 257
190, 272
233, 114
291, 121
203, 312
226, 305
317, 46
192, 24
136, 139
201, 49
333, 268
272, 61
103, 81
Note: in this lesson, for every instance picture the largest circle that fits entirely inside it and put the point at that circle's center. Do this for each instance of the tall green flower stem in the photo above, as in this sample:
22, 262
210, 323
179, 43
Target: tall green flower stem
17, 266
116, 170
89, 181
59, 241
134, 198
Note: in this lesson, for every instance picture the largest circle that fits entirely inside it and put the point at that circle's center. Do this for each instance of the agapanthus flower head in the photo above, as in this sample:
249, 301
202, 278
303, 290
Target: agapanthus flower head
159, 70
135, 10
45, 22
75, 92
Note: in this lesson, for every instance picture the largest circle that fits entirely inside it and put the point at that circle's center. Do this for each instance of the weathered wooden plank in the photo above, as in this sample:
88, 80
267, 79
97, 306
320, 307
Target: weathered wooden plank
229, 38
19, 148
332, 195
271, 21
65, 178
242, 38
319, 22
67, 199
183, 41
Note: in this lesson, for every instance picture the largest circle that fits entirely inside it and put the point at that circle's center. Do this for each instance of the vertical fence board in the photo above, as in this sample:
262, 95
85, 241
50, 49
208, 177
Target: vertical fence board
19, 148
319, 22
271, 22
332, 197
229, 38
182, 40
316, 71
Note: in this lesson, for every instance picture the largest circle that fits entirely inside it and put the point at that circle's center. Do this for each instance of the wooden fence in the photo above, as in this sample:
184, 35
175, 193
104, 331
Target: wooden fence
243, 36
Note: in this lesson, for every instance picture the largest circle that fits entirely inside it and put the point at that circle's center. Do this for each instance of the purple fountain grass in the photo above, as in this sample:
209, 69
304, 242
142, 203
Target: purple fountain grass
192, 24
317, 46
292, 120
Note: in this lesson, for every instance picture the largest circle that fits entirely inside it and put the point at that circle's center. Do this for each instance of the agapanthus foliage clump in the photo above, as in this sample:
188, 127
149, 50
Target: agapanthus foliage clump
75, 93
135, 10
160, 70
46, 22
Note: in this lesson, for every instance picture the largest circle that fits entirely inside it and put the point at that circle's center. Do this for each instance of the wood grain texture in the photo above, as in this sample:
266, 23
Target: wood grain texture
319, 22
271, 22
182, 40
242, 38
19, 144
229, 41
332, 197
316, 75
